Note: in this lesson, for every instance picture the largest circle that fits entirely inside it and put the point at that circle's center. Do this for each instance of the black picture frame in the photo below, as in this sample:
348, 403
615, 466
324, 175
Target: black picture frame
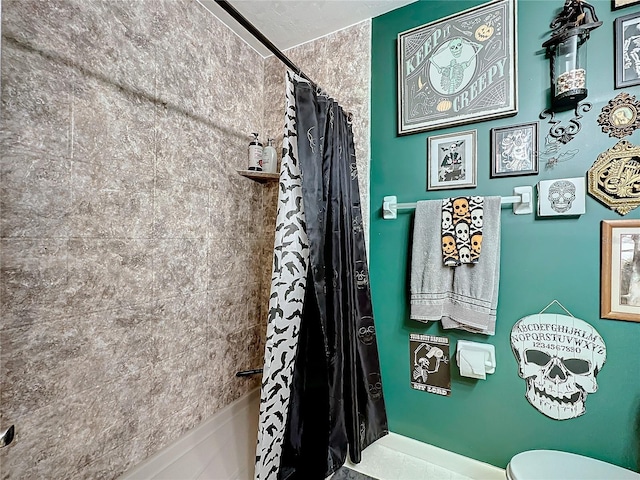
514, 150
458, 70
627, 62
618, 4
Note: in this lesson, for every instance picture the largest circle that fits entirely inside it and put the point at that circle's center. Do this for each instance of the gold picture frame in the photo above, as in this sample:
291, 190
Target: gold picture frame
620, 253
621, 116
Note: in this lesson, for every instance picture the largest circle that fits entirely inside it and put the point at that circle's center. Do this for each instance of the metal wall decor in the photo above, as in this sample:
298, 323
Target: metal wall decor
614, 178
552, 153
564, 134
621, 116
567, 50
459, 69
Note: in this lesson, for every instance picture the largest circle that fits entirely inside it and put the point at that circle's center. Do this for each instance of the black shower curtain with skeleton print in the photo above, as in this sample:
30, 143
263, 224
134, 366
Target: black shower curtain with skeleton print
336, 403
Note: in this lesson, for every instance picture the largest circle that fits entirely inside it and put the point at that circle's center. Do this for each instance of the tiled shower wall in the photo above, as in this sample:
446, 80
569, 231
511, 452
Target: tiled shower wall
340, 64
134, 259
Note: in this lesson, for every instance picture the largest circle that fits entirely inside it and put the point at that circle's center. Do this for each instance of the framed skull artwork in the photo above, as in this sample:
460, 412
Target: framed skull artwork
451, 161
514, 150
561, 197
559, 358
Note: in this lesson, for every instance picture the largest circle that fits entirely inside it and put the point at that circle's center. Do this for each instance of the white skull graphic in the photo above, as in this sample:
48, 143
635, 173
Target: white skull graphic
462, 231
559, 358
455, 46
465, 255
562, 193
447, 221
476, 217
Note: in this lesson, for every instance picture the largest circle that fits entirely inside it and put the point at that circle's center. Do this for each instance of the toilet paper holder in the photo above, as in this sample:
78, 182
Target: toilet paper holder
475, 359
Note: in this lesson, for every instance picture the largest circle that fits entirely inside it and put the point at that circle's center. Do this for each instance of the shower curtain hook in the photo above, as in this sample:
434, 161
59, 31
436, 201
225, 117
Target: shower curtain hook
349, 117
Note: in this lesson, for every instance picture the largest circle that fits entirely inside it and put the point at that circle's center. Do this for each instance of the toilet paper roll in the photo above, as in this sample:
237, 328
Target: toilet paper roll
472, 364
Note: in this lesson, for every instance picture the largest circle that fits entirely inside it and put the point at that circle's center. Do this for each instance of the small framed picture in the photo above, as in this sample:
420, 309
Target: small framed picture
514, 150
618, 4
451, 161
561, 197
627, 52
619, 280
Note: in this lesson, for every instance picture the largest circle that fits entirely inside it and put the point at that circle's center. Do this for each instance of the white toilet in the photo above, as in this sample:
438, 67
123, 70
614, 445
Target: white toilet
556, 465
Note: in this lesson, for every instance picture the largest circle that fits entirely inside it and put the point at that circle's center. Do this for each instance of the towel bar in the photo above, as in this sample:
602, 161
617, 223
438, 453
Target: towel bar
522, 201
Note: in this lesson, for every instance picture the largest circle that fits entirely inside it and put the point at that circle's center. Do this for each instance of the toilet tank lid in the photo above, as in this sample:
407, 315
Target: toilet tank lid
553, 464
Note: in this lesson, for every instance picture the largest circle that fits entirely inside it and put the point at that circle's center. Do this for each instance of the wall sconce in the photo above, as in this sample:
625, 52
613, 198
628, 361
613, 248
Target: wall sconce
567, 50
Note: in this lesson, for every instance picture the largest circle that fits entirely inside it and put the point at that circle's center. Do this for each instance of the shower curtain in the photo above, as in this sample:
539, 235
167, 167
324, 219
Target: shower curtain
321, 394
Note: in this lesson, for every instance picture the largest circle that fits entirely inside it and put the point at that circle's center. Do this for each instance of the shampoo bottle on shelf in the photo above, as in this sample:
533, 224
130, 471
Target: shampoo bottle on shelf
255, 154
269, 158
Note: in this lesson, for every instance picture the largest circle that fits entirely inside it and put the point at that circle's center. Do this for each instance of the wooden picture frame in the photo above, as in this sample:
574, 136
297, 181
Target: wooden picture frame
451, 161
458, 70
618, 4
620, 260
514, 150
627, 62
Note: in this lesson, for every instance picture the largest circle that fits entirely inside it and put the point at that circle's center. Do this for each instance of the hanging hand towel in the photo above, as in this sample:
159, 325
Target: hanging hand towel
461, 230
465, 297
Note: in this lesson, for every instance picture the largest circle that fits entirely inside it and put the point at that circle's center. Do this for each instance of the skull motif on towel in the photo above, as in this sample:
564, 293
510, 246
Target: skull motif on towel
460, 221
559, 357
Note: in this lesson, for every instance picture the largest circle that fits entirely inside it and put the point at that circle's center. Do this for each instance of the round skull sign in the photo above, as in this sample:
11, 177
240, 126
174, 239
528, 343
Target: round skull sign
559, 358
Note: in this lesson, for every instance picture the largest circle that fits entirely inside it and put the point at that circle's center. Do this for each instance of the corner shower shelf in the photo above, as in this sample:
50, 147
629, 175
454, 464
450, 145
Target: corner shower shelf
260, 177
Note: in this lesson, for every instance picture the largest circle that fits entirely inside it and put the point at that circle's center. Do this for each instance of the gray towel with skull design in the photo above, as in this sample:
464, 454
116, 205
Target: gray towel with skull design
461, 230
465, 298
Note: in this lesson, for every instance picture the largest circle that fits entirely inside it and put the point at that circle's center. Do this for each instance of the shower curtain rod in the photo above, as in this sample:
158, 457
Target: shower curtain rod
264, 40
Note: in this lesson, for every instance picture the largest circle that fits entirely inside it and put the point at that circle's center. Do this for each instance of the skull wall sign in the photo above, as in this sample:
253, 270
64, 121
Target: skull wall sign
559, 357
561, 197
562, 193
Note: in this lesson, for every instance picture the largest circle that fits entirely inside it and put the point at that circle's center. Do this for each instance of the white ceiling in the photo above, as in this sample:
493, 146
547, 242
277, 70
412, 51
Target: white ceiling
288, 23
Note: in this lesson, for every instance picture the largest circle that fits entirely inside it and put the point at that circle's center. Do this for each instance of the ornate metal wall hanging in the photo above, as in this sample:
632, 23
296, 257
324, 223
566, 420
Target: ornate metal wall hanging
614, 178
621, 116
565, 134
551, 155
567, 50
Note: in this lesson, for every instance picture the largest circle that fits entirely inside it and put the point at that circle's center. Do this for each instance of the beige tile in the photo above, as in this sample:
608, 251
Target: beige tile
181, 210
34, 280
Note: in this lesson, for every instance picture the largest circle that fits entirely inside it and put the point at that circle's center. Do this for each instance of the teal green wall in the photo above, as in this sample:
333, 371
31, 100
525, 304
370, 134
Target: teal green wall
542, 260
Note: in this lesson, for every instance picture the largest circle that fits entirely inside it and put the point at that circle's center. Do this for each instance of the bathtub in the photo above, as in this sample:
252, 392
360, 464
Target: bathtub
223, 447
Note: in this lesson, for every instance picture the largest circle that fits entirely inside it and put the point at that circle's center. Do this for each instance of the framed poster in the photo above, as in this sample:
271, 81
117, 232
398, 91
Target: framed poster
618, 4
458, 70
429, 364
627, 50
620, 270
451, 161
514, 150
